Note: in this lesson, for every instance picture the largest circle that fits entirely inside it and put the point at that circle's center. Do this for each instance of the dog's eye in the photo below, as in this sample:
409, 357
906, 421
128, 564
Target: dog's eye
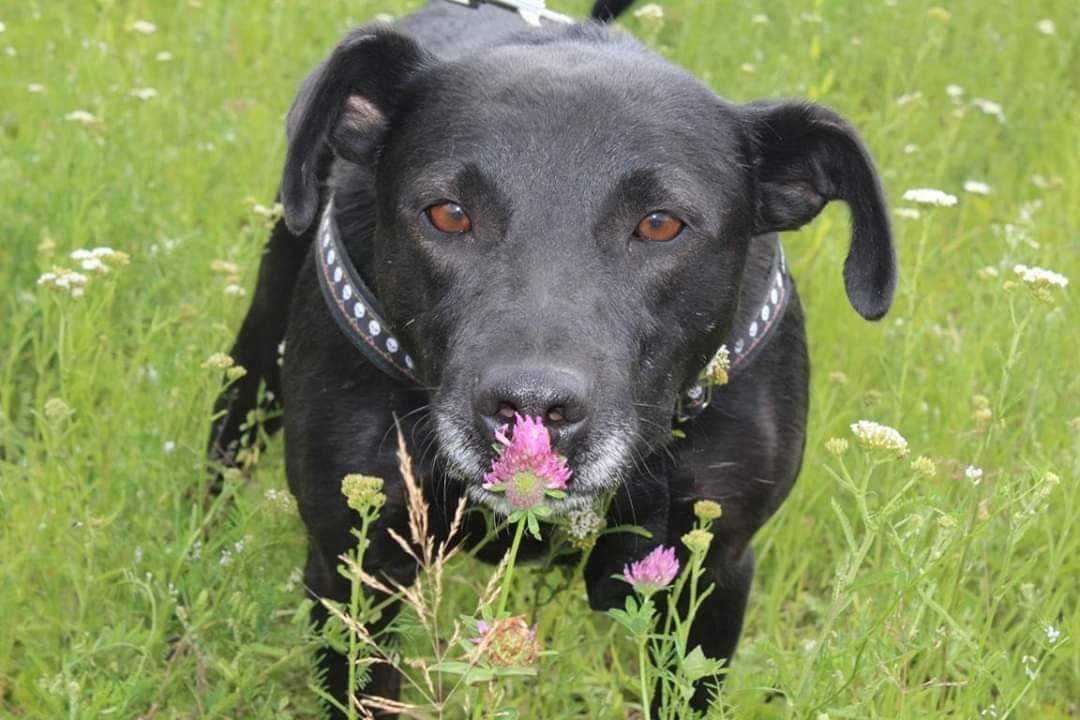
449, 218
659, 227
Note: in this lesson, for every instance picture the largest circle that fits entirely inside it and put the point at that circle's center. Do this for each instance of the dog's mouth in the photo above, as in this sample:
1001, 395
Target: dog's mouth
598, 464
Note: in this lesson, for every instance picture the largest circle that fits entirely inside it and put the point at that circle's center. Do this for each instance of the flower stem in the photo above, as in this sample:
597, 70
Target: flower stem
354, 613
643, 676
504, 594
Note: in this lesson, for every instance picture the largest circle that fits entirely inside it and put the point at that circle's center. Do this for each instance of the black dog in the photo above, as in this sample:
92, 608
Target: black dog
559, 223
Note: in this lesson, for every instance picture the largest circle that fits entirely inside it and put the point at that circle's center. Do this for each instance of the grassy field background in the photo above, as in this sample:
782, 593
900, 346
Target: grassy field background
901, 596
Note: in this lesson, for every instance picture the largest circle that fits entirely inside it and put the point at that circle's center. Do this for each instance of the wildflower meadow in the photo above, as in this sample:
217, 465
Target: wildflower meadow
927, 563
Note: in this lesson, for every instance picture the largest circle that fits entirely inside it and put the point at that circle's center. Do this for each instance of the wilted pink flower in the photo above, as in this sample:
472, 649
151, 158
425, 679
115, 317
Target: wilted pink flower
507, 643
653, 572
526, 467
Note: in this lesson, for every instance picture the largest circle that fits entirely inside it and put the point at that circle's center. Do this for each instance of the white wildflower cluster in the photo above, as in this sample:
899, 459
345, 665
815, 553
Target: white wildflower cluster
909, 98
875, 436
82, 117
1040, 282
583, 524
228, 554
1052, 634
218, 361
296, 577
974, 474
930, 196
66, 280
231, 273
976, 187
143, 27
716, 372
144, 93
1046, 26
100, 259
989, 107
1040, 277
280, 500
56, 410
907, 213
650, 13
271, 213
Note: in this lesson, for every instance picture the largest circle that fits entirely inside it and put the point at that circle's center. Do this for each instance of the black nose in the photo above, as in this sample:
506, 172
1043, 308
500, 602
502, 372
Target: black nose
555, 395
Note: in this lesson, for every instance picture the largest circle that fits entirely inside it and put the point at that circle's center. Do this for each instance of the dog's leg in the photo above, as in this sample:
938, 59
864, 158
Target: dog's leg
256, 349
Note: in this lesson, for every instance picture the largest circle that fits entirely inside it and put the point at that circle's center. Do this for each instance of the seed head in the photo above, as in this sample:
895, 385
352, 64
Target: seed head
836, 446
924, 466
698, 540
363, 491
707, 510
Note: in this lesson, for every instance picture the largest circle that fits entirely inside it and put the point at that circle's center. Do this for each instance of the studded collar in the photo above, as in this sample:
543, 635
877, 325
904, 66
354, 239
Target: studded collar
358, 313
531, 11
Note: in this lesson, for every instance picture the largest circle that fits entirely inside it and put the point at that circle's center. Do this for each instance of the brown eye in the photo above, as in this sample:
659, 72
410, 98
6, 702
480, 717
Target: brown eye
449, 218
659, 227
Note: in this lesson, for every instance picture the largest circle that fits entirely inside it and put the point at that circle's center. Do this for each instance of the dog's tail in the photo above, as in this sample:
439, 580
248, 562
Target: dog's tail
608, 10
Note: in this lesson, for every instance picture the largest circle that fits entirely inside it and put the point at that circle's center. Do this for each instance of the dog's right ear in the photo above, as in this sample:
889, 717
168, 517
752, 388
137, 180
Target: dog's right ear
344, 105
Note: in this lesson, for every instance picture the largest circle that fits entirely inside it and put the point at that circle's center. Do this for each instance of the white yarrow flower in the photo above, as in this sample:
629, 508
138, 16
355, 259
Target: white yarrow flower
583, 523
234, 290
954, 91
35, 88
651, 12
1052, 634
975, 187
974, 474
873, 435
990, 108
144, 93
759, 19
907, 213
930, 196
81, 116
64, 279
1040, 277
163, 56
143, 27
908, 98
1046, 26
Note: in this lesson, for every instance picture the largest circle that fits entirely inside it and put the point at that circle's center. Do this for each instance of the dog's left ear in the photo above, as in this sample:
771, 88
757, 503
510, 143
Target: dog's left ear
806, 155
344, 106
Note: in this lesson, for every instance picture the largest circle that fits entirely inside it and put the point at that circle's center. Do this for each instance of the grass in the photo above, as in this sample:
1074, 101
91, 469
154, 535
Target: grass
880, 593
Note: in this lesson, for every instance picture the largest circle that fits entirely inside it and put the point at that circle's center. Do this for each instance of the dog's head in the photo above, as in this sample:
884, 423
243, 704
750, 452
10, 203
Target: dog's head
562, 224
